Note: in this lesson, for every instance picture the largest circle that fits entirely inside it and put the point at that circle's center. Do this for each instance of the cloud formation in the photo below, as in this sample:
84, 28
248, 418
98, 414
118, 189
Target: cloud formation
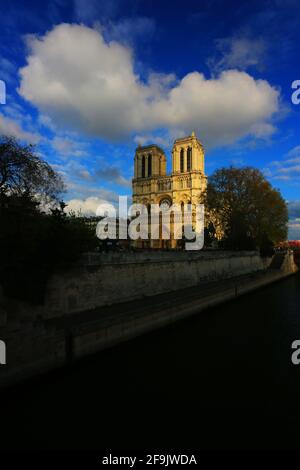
87, 207
89, 199
294, 222
294, 209
238, 52
129, 30
74, 172
113, 175
294, 230
88, 85
86, 11
13, 128
67, 147
287, 169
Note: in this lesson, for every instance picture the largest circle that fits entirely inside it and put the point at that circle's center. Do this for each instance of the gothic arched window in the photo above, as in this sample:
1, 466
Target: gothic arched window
149, 164
143, 166
181, 160
189, 159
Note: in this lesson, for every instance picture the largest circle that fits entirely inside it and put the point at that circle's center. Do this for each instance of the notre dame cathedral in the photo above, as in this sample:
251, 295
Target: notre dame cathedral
185, 184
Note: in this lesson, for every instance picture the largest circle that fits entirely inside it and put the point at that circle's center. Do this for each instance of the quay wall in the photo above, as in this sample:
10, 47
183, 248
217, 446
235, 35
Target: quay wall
111, 278
81, 314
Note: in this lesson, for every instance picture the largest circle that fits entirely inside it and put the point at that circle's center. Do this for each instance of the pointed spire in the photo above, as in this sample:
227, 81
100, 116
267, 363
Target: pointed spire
193, 134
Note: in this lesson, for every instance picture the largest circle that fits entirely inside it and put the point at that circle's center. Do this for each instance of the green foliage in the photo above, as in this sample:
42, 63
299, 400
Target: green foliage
249, 211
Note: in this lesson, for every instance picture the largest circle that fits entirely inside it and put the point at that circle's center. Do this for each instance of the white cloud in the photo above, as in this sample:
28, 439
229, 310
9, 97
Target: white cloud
83, 182
293, 160
290, 169
238, 52
129, 30
73, 171
287, 169
86, 84
8, 69
67, 147
85, 207
294, 210
113, 175
294, 152
294, 230
47, 122
89, 205
12, 128
146, 139
87, 11
294, 222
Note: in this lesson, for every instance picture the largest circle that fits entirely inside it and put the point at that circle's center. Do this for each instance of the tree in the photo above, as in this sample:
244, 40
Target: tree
34, 243
209, 234
24, 175
249, 212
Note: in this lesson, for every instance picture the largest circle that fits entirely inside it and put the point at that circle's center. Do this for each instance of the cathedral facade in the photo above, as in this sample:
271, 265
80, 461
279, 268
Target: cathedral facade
185, 184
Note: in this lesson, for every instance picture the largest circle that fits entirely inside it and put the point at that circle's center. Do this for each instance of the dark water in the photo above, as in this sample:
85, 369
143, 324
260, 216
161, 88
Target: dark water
220, 380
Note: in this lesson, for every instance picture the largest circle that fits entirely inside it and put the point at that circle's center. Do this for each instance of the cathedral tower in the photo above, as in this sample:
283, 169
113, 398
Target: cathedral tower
187, 155
149, 161
185, 185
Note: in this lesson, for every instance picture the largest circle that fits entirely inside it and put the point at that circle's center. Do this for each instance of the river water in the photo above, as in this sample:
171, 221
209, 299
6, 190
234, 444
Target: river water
222, 379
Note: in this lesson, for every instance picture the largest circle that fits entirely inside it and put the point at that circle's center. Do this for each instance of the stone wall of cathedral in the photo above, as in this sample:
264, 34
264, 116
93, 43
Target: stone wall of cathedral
185, 184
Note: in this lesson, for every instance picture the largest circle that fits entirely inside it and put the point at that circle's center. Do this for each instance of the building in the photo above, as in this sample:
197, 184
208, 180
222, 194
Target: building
185, 184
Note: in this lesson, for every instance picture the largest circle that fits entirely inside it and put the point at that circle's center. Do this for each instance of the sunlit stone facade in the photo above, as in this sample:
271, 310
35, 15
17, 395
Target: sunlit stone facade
185, 184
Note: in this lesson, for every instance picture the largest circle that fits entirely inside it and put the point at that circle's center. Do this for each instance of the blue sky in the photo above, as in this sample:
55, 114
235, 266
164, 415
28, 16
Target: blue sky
89, 80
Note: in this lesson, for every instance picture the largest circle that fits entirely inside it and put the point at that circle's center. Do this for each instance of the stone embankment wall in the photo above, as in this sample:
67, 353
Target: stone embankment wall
110, 298
111, 278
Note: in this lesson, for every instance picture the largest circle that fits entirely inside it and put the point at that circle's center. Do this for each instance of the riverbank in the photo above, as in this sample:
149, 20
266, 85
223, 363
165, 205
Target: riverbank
35, 345
98, 329
222, 379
